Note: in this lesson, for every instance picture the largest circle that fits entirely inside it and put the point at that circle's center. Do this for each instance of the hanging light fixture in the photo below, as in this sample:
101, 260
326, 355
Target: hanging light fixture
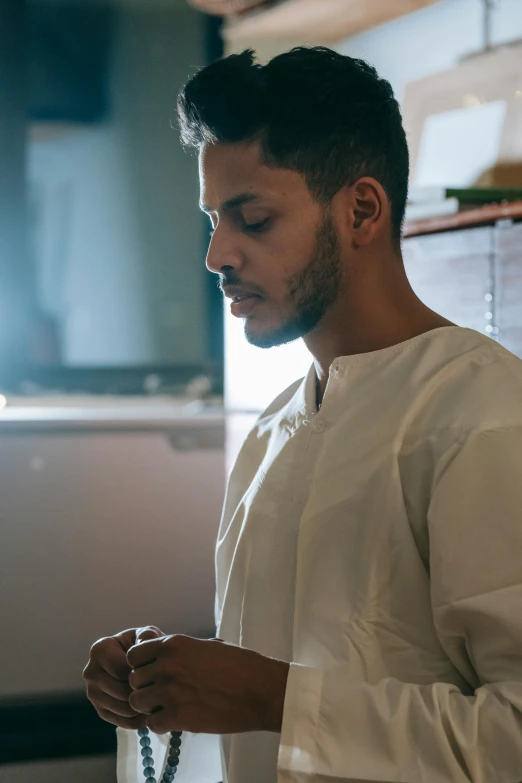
224, 7
490, 7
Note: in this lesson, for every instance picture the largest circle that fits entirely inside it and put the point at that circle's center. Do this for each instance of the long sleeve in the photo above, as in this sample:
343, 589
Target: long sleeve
338, 729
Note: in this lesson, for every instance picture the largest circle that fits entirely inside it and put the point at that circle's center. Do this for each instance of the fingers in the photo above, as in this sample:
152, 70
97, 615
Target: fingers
141, 678
144, 653
102, 701
125, 638
109, 656
161, 722
139, 722
107, 676
146, 647
146, 633
148, 700
114, 688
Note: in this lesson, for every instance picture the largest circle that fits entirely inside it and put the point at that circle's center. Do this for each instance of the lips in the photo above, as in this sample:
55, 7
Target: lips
244, 305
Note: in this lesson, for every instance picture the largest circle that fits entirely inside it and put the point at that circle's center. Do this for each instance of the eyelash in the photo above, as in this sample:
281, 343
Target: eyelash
254, 228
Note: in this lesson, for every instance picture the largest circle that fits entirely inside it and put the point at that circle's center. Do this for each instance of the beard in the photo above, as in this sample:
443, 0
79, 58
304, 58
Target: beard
312, 291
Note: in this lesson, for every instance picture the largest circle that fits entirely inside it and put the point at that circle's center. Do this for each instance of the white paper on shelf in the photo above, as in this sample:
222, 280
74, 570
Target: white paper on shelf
427, 194
458, 146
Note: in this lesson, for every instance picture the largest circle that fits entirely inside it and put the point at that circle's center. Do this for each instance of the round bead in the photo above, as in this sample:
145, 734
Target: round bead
148, 761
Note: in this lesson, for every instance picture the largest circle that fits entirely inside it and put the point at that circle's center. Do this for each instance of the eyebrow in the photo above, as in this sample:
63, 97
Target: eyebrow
232, 203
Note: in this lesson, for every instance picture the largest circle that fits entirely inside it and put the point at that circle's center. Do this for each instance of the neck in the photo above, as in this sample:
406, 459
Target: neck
375, 312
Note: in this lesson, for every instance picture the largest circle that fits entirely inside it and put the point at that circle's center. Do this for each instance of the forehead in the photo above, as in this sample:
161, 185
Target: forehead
227, 170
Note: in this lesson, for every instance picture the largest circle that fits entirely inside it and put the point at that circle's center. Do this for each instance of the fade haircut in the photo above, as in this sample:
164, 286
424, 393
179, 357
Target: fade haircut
325, 115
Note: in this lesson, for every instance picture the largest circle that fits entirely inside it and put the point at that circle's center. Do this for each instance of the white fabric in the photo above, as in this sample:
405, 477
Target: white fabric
199, 760
377, 545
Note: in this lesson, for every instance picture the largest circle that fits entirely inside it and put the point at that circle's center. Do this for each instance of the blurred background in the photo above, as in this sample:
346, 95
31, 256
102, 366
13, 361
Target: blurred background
126, 388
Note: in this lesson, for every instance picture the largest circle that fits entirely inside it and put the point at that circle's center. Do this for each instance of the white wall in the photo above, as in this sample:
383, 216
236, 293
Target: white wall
433, 39
120, 232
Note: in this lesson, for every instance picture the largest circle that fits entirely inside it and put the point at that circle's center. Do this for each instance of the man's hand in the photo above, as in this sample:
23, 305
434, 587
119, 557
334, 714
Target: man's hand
107, 676
208, 686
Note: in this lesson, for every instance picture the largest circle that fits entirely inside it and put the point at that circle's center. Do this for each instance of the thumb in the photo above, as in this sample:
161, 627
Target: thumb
147, 632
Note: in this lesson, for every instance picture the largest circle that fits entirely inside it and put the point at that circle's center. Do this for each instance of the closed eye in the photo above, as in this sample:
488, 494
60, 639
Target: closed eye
253, 228
256, 228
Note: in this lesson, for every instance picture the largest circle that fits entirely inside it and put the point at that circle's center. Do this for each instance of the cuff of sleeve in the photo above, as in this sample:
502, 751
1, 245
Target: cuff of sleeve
299, 736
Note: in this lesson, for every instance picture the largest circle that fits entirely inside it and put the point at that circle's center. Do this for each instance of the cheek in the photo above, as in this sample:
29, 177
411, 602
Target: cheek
289, 250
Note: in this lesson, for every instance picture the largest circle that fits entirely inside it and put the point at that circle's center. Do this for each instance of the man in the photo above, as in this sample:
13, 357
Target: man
369, 568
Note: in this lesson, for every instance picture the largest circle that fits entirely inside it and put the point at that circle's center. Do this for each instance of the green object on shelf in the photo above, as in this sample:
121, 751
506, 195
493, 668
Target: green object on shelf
484, 195
423, 195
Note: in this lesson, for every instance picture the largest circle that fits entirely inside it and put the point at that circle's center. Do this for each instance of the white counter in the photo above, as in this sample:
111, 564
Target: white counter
108, 519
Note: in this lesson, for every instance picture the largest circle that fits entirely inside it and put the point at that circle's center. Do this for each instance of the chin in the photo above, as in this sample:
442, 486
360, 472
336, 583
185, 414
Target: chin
259, 339
271, 338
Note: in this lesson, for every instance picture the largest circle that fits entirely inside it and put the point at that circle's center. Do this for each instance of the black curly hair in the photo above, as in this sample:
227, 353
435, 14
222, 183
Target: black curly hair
315, 111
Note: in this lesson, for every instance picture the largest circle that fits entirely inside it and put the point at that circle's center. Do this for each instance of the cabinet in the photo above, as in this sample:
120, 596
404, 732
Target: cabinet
508, 269
471, 275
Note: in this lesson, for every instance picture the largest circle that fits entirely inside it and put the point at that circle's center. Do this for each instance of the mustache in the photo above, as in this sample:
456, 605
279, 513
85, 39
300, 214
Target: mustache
228, 282
234, 282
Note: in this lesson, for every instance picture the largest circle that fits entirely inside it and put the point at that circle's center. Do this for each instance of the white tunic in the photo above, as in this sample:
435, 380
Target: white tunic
377, 546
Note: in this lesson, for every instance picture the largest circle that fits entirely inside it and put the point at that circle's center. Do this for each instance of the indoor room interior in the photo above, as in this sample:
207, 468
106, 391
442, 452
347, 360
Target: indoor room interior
127, 387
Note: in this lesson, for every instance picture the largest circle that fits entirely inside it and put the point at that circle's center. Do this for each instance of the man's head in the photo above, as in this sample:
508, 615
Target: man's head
302, 161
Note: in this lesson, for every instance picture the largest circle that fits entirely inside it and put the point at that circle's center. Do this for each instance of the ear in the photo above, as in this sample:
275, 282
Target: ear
366, 211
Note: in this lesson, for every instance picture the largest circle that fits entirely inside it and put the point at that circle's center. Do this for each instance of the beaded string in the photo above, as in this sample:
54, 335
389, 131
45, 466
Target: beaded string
148, 761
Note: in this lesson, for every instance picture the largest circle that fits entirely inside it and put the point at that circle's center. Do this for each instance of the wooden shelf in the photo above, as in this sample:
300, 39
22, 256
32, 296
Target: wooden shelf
481, 216
318, 20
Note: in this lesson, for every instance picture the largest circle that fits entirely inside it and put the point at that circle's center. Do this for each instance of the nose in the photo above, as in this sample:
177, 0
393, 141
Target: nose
222, 251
